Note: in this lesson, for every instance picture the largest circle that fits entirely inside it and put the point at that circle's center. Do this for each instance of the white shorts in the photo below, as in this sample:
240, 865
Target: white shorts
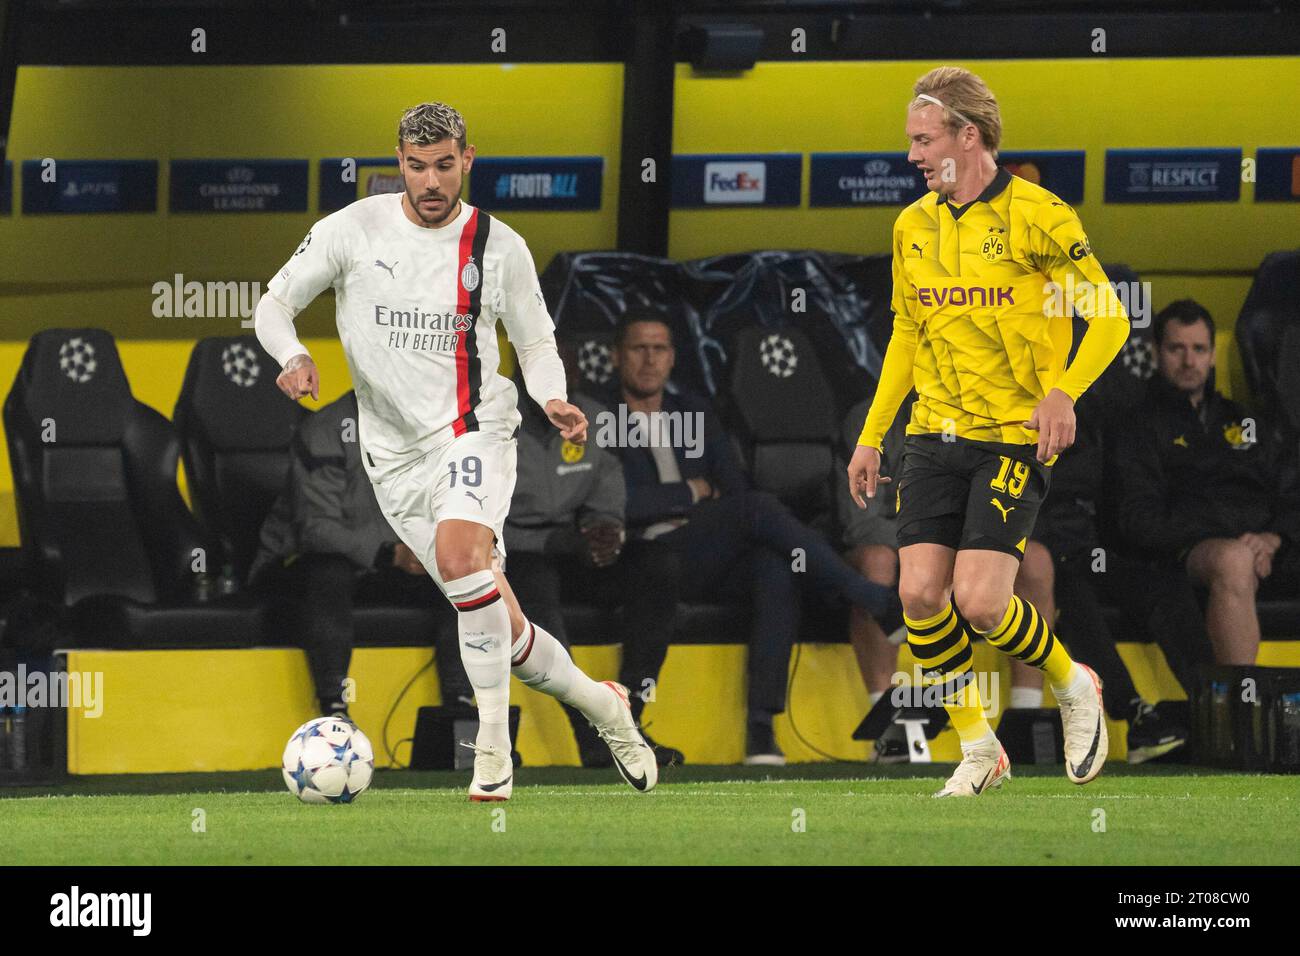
471, 478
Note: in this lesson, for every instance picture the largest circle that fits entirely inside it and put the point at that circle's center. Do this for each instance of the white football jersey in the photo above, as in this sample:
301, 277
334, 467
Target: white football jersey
417, 311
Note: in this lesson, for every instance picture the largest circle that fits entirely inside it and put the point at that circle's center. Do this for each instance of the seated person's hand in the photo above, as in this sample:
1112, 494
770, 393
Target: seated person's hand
1264, 545
604, 542
404, 558
701, 489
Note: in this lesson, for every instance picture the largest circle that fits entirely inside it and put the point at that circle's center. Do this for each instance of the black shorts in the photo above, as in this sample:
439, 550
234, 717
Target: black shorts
969, 494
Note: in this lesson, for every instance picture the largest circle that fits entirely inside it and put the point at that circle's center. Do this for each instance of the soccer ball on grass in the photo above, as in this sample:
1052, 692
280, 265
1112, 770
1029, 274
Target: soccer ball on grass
328, 760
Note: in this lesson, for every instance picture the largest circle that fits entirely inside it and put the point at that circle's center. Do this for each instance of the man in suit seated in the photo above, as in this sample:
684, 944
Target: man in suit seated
733, 542
566, 540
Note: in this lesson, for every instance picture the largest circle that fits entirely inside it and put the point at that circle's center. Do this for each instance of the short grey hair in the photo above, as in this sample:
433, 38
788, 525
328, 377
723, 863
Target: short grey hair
430, 123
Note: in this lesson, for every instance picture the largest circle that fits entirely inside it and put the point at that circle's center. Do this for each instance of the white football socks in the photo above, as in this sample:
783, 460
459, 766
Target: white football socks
541, 662
484, 626
1079, 685
1025, 697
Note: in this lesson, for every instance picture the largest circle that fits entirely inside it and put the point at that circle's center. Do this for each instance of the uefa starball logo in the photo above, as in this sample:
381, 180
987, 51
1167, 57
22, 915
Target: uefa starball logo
596, 362
730, 183
240, 365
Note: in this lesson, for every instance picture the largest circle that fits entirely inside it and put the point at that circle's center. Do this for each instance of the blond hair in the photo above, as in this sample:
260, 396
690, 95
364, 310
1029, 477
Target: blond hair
965, 99
431, 123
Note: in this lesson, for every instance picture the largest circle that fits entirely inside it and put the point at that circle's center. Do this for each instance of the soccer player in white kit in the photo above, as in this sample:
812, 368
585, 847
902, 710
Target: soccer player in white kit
421, 279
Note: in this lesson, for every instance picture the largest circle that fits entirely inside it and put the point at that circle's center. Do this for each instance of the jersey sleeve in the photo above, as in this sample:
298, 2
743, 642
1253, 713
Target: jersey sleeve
529, 326
896, 373
1063, 254
525, 314
317, 264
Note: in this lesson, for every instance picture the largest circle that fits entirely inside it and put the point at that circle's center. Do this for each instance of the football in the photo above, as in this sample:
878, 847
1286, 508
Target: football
328, 760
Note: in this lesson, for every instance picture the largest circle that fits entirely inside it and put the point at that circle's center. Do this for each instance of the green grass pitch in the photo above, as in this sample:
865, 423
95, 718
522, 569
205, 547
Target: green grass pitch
806, 814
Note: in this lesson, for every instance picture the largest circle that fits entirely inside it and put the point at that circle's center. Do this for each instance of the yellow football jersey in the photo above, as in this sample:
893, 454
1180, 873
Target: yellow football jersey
982, 302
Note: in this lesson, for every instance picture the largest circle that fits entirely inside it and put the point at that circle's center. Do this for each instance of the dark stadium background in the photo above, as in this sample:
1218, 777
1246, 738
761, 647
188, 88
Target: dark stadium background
315, 81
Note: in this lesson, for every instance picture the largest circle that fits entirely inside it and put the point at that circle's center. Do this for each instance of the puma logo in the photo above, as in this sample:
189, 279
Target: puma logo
482, 645
1005, 511
388, 269
1181, 440
477, 498
920, 251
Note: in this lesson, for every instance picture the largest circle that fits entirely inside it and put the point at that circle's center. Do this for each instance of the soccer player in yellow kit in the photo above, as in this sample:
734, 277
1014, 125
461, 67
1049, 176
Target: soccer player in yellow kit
982, 265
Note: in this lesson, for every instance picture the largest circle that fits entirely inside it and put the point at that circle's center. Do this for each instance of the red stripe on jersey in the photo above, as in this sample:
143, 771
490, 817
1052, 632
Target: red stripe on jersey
463, 407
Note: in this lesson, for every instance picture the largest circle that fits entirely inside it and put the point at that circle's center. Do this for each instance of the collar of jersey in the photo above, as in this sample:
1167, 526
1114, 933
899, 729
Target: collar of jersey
1000, 182
451, 230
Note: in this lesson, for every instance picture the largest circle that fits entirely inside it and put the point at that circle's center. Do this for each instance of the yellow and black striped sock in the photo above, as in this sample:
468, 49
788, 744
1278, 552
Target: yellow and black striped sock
1024, 634
942, 650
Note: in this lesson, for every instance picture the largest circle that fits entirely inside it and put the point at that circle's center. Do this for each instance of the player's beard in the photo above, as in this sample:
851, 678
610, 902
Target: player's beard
448, 210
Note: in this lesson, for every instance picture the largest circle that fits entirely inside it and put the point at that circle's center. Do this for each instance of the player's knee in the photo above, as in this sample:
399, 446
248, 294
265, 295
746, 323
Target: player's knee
982, 606
922, 598
454, 565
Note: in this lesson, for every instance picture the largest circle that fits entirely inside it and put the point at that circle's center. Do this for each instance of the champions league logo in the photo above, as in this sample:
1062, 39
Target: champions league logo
777, 355
239, 364
77, 359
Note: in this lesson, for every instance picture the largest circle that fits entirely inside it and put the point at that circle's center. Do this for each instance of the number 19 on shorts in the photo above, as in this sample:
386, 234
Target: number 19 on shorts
471, 471
1011, 477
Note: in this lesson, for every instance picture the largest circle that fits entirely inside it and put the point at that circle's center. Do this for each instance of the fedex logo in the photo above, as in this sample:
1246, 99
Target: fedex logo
731, 183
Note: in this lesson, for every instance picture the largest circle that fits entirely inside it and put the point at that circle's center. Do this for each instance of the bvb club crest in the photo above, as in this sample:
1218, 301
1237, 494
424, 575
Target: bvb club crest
993, 248
1238, 435
572, 453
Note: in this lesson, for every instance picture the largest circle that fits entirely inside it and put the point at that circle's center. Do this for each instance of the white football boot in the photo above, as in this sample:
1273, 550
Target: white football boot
1084, 723
984, 766
494, 774
632, 755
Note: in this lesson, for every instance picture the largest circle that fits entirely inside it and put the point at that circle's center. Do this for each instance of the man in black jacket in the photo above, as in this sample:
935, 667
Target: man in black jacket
1156, 598
1209, 486
686, 488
